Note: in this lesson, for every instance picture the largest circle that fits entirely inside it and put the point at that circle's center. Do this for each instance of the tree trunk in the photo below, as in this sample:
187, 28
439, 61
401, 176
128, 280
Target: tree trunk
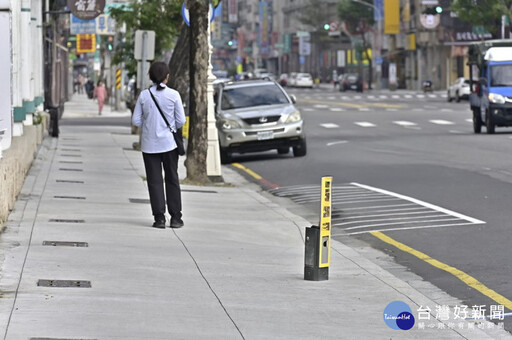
198, 108
179, 65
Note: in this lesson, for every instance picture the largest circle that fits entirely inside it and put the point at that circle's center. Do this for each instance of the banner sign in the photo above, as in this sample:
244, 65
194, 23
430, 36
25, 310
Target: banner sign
86, 9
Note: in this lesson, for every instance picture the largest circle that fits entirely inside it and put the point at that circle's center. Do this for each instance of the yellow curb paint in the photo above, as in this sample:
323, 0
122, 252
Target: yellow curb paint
249, 171
467, 279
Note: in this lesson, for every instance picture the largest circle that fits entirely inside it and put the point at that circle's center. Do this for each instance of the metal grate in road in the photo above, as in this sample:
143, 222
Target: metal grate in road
64, 283
361, 209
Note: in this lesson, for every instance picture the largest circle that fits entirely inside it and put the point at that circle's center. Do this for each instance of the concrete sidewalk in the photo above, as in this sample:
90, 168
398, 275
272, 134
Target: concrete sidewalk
235, 271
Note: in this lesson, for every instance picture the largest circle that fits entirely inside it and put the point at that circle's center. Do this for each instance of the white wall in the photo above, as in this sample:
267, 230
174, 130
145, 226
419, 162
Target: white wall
5, 75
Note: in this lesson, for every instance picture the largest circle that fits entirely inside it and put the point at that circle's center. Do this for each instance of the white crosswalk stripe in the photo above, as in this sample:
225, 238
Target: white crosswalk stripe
441, 122
404, 123
329, 125
365, 124
336, 109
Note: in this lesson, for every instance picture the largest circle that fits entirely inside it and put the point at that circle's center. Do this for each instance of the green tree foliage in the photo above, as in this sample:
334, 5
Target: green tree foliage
314, 15
161, 16
486, 13
358, 18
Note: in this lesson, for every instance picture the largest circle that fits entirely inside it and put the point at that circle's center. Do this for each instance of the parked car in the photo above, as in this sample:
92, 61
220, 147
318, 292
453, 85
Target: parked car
257, 115
351, 81
459, 89
304, 80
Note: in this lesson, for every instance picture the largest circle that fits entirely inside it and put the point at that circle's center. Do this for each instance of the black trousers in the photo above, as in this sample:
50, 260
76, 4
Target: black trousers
153, 162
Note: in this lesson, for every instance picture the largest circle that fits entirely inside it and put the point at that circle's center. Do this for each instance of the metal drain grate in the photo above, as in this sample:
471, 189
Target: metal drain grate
69, 181
67, 169
59, 220
65, 244
70, 197
139, 200
200, 191
64, 283
59, 339
71, 162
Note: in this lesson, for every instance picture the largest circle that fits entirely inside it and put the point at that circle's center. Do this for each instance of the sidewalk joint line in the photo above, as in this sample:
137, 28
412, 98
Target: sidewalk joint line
208, 284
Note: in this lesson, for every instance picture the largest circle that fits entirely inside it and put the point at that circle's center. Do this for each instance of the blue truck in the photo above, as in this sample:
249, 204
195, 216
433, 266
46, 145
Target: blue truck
491, 94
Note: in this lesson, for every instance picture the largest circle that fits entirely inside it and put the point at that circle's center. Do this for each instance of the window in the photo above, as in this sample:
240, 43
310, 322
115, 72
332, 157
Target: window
240, 97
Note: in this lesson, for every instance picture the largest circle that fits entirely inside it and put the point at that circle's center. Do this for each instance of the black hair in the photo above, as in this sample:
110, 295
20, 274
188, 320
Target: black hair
158, 72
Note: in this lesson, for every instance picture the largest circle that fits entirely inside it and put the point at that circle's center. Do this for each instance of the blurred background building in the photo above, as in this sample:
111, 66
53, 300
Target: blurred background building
415, 40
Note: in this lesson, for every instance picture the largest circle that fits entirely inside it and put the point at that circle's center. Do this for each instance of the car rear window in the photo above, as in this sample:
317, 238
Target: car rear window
248, 96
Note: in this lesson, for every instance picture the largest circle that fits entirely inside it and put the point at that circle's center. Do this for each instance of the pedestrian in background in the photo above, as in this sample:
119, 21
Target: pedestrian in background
100, 93
158, 145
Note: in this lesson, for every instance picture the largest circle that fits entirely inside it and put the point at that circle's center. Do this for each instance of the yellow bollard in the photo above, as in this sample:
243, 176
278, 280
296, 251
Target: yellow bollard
317, 256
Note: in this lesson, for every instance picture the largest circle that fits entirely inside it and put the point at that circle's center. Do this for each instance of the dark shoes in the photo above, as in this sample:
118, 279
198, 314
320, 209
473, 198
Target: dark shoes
177, 223
160, 224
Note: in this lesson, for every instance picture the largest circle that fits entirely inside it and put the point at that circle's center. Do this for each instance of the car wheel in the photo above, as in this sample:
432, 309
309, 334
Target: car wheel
225, 156
449, 97
300, 150
283, 151
477, 121
457, 97
489, 123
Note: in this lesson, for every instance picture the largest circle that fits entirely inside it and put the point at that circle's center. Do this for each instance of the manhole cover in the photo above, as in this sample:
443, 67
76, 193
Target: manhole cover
65, 244
64, 283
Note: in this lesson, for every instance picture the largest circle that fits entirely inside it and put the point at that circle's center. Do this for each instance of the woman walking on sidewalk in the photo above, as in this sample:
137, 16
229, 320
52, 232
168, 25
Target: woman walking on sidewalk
158, 145
100, 93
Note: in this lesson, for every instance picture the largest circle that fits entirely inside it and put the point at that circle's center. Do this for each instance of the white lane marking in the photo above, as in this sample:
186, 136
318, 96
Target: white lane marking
405, 228
404, 123
393, 214
441, 122
336, 109
420, 96
408, 96
395, 223
357, 97
446, 110
380, 206
425, 204
418, 110
391, 109
308, 109
321, 106
383, 96
371, 97
338, 142
331, 98
416, 219
329, 125
395, 96
456, 131
469, 121
365, 124
364, 109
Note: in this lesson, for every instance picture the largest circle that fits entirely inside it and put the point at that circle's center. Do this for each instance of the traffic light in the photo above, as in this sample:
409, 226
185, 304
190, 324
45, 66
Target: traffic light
110, 43
433, 10
327, 27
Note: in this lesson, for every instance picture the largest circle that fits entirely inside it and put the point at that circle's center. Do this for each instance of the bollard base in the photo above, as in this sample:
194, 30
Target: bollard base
316, 274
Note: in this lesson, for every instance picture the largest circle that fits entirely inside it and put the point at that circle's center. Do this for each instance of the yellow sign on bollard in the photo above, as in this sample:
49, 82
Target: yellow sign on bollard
325, 222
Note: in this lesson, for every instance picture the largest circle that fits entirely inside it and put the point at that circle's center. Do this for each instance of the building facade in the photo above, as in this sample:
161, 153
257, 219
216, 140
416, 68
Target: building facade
284, 36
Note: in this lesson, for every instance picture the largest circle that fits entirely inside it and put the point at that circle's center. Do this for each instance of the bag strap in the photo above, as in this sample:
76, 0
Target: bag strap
160, 110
